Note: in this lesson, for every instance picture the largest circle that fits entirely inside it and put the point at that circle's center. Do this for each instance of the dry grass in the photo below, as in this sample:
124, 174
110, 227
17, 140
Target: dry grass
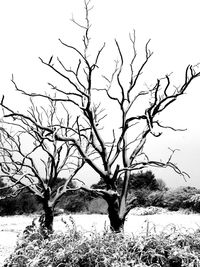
76, 247
159, 237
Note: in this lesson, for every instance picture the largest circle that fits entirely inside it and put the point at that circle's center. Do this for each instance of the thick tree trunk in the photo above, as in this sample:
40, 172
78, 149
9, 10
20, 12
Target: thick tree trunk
116, 221
48, 218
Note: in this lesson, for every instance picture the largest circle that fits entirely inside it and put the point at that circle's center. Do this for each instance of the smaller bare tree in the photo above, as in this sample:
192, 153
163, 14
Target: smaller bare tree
31, 160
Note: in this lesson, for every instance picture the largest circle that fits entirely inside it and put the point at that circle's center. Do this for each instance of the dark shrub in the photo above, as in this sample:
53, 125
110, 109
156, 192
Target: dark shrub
23, 203
194, 202
178, 198
142, 196
98, 205
156, 198
76, 202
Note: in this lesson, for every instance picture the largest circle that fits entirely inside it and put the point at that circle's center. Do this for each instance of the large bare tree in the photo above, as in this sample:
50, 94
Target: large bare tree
31, 159
113, 152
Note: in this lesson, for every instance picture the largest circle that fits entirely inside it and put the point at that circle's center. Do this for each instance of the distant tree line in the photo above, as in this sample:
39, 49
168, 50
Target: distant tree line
148, 190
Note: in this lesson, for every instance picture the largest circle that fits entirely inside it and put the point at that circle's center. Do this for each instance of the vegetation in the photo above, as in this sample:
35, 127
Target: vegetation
140, 180
115, 152
194, 202
149, 192
77, 249
180, 198
5, 189
24, 203
43, 144
142, 186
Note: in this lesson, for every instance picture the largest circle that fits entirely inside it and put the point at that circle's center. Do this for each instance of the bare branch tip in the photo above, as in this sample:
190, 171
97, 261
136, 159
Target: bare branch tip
50, 59
2, 99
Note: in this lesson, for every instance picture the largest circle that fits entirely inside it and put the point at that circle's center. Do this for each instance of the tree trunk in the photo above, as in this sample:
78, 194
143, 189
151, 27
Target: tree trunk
116, 221
46, 220
48, 217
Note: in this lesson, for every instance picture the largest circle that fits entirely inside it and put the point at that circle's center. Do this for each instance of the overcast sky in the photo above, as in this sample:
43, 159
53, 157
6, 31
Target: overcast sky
31, 28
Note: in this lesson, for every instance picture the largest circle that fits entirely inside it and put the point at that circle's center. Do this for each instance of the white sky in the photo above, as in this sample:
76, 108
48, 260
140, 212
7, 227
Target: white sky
31, 28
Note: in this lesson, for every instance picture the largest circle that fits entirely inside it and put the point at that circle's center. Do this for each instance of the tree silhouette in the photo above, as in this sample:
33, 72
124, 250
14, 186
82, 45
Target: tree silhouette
32, 160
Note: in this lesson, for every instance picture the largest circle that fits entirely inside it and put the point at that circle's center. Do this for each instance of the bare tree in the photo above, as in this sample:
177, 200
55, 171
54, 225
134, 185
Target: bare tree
33, 160
116, 154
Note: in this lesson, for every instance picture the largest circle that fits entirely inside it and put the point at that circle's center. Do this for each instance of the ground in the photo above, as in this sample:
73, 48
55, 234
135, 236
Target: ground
138, 221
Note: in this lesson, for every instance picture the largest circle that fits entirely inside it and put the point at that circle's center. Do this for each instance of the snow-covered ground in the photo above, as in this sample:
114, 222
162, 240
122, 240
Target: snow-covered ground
10, 227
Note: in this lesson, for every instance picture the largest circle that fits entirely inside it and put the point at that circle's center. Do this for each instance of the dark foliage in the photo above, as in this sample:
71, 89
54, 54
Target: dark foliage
142, 185
194, 202
156, 199
77, 201
141, 180
144, 180
24, 203
178, 198
6, 191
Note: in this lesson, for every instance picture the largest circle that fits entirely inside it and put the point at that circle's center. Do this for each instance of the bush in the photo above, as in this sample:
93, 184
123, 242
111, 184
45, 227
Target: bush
146, 197
141, 211
76, 202
174, 199
194, 202
24, 203
144, 180
137, 181
142, 196
79, 249
178, 198
97, 205
3, 188
156, 199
